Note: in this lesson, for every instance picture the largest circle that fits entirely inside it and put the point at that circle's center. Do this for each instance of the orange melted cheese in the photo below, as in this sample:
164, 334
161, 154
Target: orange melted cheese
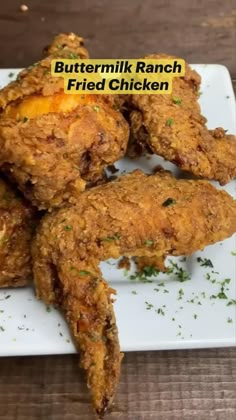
35, 105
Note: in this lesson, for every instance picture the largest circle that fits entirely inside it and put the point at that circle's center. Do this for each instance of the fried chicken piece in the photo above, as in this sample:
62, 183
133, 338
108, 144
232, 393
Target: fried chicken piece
53, 144
17, 220
137, 215
172, 126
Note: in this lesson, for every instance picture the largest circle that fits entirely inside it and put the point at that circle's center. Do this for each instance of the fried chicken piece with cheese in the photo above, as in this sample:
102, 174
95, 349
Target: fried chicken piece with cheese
17, 219
137, 215
171, 125
54, 144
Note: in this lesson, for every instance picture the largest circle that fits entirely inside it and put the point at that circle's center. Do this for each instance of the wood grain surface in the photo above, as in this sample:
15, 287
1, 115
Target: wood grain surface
183, 385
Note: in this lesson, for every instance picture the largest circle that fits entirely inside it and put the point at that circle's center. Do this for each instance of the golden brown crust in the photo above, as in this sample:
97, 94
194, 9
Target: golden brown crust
53, 144
173, 127
16, 227
137, 215
37, 78
53, 156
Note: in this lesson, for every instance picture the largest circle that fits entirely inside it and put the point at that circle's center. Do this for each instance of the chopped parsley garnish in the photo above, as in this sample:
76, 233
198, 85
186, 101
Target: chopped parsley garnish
68, 227
182, 275
169, 122
96, 108
10, 75
169, 202
149, 242
231, 302
150, 271
205, 262
1, 328
48, 309
220, 295
147, 271
177, 101
84, 273
195, 316
160, 311
161, 284
148, 305
73, 55
229, 320
233, 253
134, 292
180, 294
25, 119
111, 238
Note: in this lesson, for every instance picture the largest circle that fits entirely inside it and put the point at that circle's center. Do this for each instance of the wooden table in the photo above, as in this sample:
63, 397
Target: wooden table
185, 385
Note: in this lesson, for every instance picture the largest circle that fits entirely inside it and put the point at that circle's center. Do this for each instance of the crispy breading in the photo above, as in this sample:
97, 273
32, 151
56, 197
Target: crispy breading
53, 144
172, 126
137, 215
17, 220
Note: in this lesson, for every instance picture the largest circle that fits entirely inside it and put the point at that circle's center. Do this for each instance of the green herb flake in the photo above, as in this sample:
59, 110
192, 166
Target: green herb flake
180, 294
181, 274
160, 311
205, 262
231, 302
229, 320
170, 122
177, 101
233, 253
195, 316
169, 202
48, 309
111, 238
83, 273
68, 228
10, 75
148, 242
161, 284
73, 56
143, 276
1, 328
134, 292
148, 305
25, 119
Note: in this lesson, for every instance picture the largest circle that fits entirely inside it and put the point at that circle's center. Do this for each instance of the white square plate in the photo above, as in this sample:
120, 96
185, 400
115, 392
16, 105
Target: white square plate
163, 313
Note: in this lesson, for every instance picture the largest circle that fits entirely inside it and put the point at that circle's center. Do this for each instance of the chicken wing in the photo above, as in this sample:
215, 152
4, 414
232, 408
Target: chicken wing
172, 126
53, 144
17, 220
137, 215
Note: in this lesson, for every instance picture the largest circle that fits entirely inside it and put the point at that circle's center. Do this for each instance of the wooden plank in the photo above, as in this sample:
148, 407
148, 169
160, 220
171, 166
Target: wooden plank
200, 31
195, 384
183, 385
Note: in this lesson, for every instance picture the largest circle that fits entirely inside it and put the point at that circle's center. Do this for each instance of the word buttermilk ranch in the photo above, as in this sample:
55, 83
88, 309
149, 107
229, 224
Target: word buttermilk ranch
147, 76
